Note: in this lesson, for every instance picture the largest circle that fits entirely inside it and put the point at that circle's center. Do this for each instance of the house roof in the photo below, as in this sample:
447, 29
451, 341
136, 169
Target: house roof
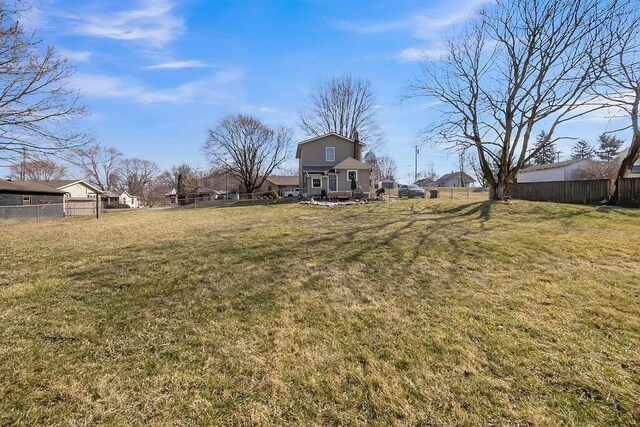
454, 175
63, 183
351, 163
424, 181
556, 165
110, 193
317, 169
284, 180
28, 187
316, 138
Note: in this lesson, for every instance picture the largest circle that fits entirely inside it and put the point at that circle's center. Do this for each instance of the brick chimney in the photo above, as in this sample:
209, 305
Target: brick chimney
356, 143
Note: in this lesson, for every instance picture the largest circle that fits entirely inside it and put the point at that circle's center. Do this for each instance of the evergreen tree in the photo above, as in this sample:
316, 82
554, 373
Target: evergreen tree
582, 150
182, 186
546, 154
608, 147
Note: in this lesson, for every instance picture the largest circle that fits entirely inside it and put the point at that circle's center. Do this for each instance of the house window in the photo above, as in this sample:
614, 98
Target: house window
351, 175
330, 154
316, 183
26, 200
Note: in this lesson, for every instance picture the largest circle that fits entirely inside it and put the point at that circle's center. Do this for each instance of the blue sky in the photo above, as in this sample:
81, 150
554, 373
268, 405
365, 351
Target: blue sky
155, 74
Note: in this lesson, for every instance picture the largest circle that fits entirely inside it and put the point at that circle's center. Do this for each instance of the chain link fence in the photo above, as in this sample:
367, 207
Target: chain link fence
31, 213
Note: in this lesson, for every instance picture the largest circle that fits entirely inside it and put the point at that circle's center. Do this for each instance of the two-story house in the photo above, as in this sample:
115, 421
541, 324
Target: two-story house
329, 162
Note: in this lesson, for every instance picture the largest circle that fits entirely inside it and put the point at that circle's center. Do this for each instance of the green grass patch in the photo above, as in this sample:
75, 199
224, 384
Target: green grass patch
416, 312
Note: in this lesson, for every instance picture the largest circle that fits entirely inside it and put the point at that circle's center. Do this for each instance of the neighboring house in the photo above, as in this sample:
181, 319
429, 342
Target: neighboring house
122, 197
80, 196
203, 194
75, 188
29, 201
426, 183
329, 162
127, 199
560, 171
171, 197
453, 179
280, 183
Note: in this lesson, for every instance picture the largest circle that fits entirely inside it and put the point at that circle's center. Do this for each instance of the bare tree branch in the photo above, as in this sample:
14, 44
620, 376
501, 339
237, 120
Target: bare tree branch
248, 148
37, 104
343, 105
521, 65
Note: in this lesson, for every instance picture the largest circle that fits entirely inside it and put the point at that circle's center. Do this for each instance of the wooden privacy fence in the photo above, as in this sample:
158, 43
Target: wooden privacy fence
583, 191
578, 191
80, 207
629, 191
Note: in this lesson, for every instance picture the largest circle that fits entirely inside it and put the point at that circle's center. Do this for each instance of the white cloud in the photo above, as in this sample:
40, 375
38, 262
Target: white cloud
420, 54
204, 91
428, 26
76, 56
177, 65
423, 25
152, 21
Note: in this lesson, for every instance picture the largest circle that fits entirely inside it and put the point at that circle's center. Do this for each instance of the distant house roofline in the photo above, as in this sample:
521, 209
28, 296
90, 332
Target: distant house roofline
28, 187
556, 165
63, 183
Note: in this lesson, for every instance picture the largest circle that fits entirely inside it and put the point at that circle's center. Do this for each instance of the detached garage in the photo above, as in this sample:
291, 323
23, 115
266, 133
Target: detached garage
23, 201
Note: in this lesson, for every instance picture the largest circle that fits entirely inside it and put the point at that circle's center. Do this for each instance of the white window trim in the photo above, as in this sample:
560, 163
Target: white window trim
356, 172
326, 154
313, 186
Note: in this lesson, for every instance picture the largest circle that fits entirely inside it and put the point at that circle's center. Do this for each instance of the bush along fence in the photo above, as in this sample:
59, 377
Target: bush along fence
578, 191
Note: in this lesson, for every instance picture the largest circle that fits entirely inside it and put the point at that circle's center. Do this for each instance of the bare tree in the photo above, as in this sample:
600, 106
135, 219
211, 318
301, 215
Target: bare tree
621, 86
343, 105
520, 65
472, 160
43, 170
387, 167
384, 167
99, 164
248, 148
136, 175
598, 170
37, 104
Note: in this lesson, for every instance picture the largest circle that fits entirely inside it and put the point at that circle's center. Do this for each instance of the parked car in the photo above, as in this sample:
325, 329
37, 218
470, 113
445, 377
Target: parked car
291, 193
411, 191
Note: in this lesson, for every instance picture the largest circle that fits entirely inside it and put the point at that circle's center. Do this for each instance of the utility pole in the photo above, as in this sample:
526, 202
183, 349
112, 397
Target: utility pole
415, 173
23, 165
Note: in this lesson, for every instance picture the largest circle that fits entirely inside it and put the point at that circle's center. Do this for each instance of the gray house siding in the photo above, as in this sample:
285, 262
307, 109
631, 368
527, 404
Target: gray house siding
15, 199
43, 207
313, 153
312, 158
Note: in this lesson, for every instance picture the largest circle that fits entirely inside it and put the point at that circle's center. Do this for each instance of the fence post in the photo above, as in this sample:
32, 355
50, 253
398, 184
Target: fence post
37, 213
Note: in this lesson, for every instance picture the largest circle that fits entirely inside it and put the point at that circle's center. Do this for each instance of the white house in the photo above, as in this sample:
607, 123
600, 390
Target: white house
74, 188
561, 171
127, 199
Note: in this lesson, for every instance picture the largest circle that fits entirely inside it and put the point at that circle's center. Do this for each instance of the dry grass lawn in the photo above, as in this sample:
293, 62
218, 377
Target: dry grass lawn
416, 312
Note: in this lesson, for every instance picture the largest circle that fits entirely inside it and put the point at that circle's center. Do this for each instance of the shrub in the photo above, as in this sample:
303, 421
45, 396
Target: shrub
117, 206
275, 195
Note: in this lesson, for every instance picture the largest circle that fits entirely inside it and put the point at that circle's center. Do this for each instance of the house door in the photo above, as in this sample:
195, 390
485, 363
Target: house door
333, 183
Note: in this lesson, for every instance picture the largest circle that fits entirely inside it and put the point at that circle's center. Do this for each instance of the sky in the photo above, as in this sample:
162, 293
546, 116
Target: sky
156, 74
